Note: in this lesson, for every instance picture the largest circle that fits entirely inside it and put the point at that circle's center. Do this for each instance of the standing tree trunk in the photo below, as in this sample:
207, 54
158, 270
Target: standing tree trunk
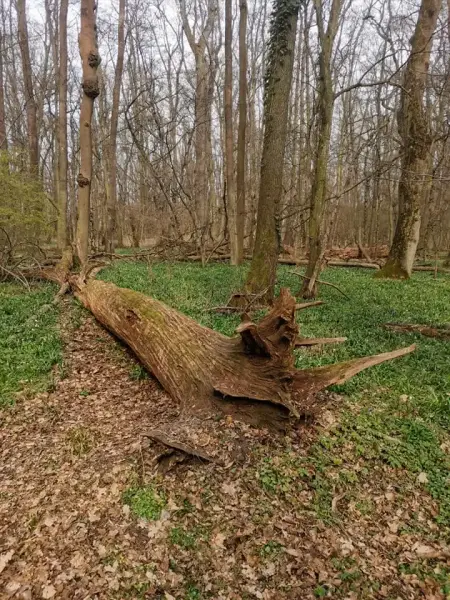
90, 61
278, 80
242, 129
416, 140
202, 118
32, 132
324, 118
228, 113
112, 150
62, 127
3, 137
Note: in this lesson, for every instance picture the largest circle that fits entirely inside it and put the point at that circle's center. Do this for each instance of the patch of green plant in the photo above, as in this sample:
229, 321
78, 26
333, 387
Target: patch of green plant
30, 342
271, 548
320, 591
185, 539
281, 473
138, 373
192, 592
145, 502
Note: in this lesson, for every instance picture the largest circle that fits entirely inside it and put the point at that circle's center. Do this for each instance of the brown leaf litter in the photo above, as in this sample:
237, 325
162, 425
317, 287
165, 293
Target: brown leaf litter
65, 533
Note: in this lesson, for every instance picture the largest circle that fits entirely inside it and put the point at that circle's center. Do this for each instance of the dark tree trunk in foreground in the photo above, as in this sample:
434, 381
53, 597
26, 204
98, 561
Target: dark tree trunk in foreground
250, 376
278, 80
416, 139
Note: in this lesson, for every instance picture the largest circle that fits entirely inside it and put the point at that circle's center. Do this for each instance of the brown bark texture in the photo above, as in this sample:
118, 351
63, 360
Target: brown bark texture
31, 108
111, 208
229, 153
62, 127
278, 81
3, 138
325, 104
250, 376
90, 61
416, 140
242, 130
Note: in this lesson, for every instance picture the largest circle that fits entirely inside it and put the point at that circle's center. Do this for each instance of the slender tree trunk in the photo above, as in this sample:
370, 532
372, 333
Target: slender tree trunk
278, 80
228, 113
90, 61
324, 122
3, 137
62, 127
112, 184
416, 139
242, 129
32, 130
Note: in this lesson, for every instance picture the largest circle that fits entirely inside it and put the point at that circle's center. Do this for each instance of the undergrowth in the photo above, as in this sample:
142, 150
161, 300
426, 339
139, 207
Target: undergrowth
30, 343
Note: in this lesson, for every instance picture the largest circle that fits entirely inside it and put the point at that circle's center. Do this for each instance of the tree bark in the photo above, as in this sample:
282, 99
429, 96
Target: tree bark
90, 61
278, 80
32, 131
229, 154
3, 137
112, 146
242, 131
251, 376
416, 140
62, 230
202, 118
325, 101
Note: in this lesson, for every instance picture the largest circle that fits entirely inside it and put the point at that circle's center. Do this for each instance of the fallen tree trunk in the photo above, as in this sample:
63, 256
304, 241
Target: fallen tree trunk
251, 376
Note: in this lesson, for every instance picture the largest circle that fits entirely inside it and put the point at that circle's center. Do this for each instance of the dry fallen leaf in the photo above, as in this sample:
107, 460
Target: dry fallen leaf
48, 591
218, 541
5, 558
422, 478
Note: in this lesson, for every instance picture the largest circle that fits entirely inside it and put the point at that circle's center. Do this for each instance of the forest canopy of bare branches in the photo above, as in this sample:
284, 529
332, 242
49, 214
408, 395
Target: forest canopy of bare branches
160, 172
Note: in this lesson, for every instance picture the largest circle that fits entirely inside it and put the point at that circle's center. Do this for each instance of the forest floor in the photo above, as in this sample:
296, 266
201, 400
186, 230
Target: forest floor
354, 505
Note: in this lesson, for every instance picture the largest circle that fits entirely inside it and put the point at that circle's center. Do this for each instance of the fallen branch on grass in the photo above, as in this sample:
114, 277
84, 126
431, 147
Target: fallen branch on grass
322, 282
442, 333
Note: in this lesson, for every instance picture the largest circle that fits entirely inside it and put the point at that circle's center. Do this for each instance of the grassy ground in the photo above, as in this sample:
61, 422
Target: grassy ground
357, 506
397, 414
29, 342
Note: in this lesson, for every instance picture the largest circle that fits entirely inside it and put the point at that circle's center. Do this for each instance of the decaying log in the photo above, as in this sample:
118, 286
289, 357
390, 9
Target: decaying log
251, 376
442, 333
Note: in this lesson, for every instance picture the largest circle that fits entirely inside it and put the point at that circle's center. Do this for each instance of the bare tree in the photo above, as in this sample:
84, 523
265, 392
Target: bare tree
416, 140
32, 130
3, 137
90, 59
62, 127
202, 114
278, 79
229, 141
242, 132
324, 118
112, 153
